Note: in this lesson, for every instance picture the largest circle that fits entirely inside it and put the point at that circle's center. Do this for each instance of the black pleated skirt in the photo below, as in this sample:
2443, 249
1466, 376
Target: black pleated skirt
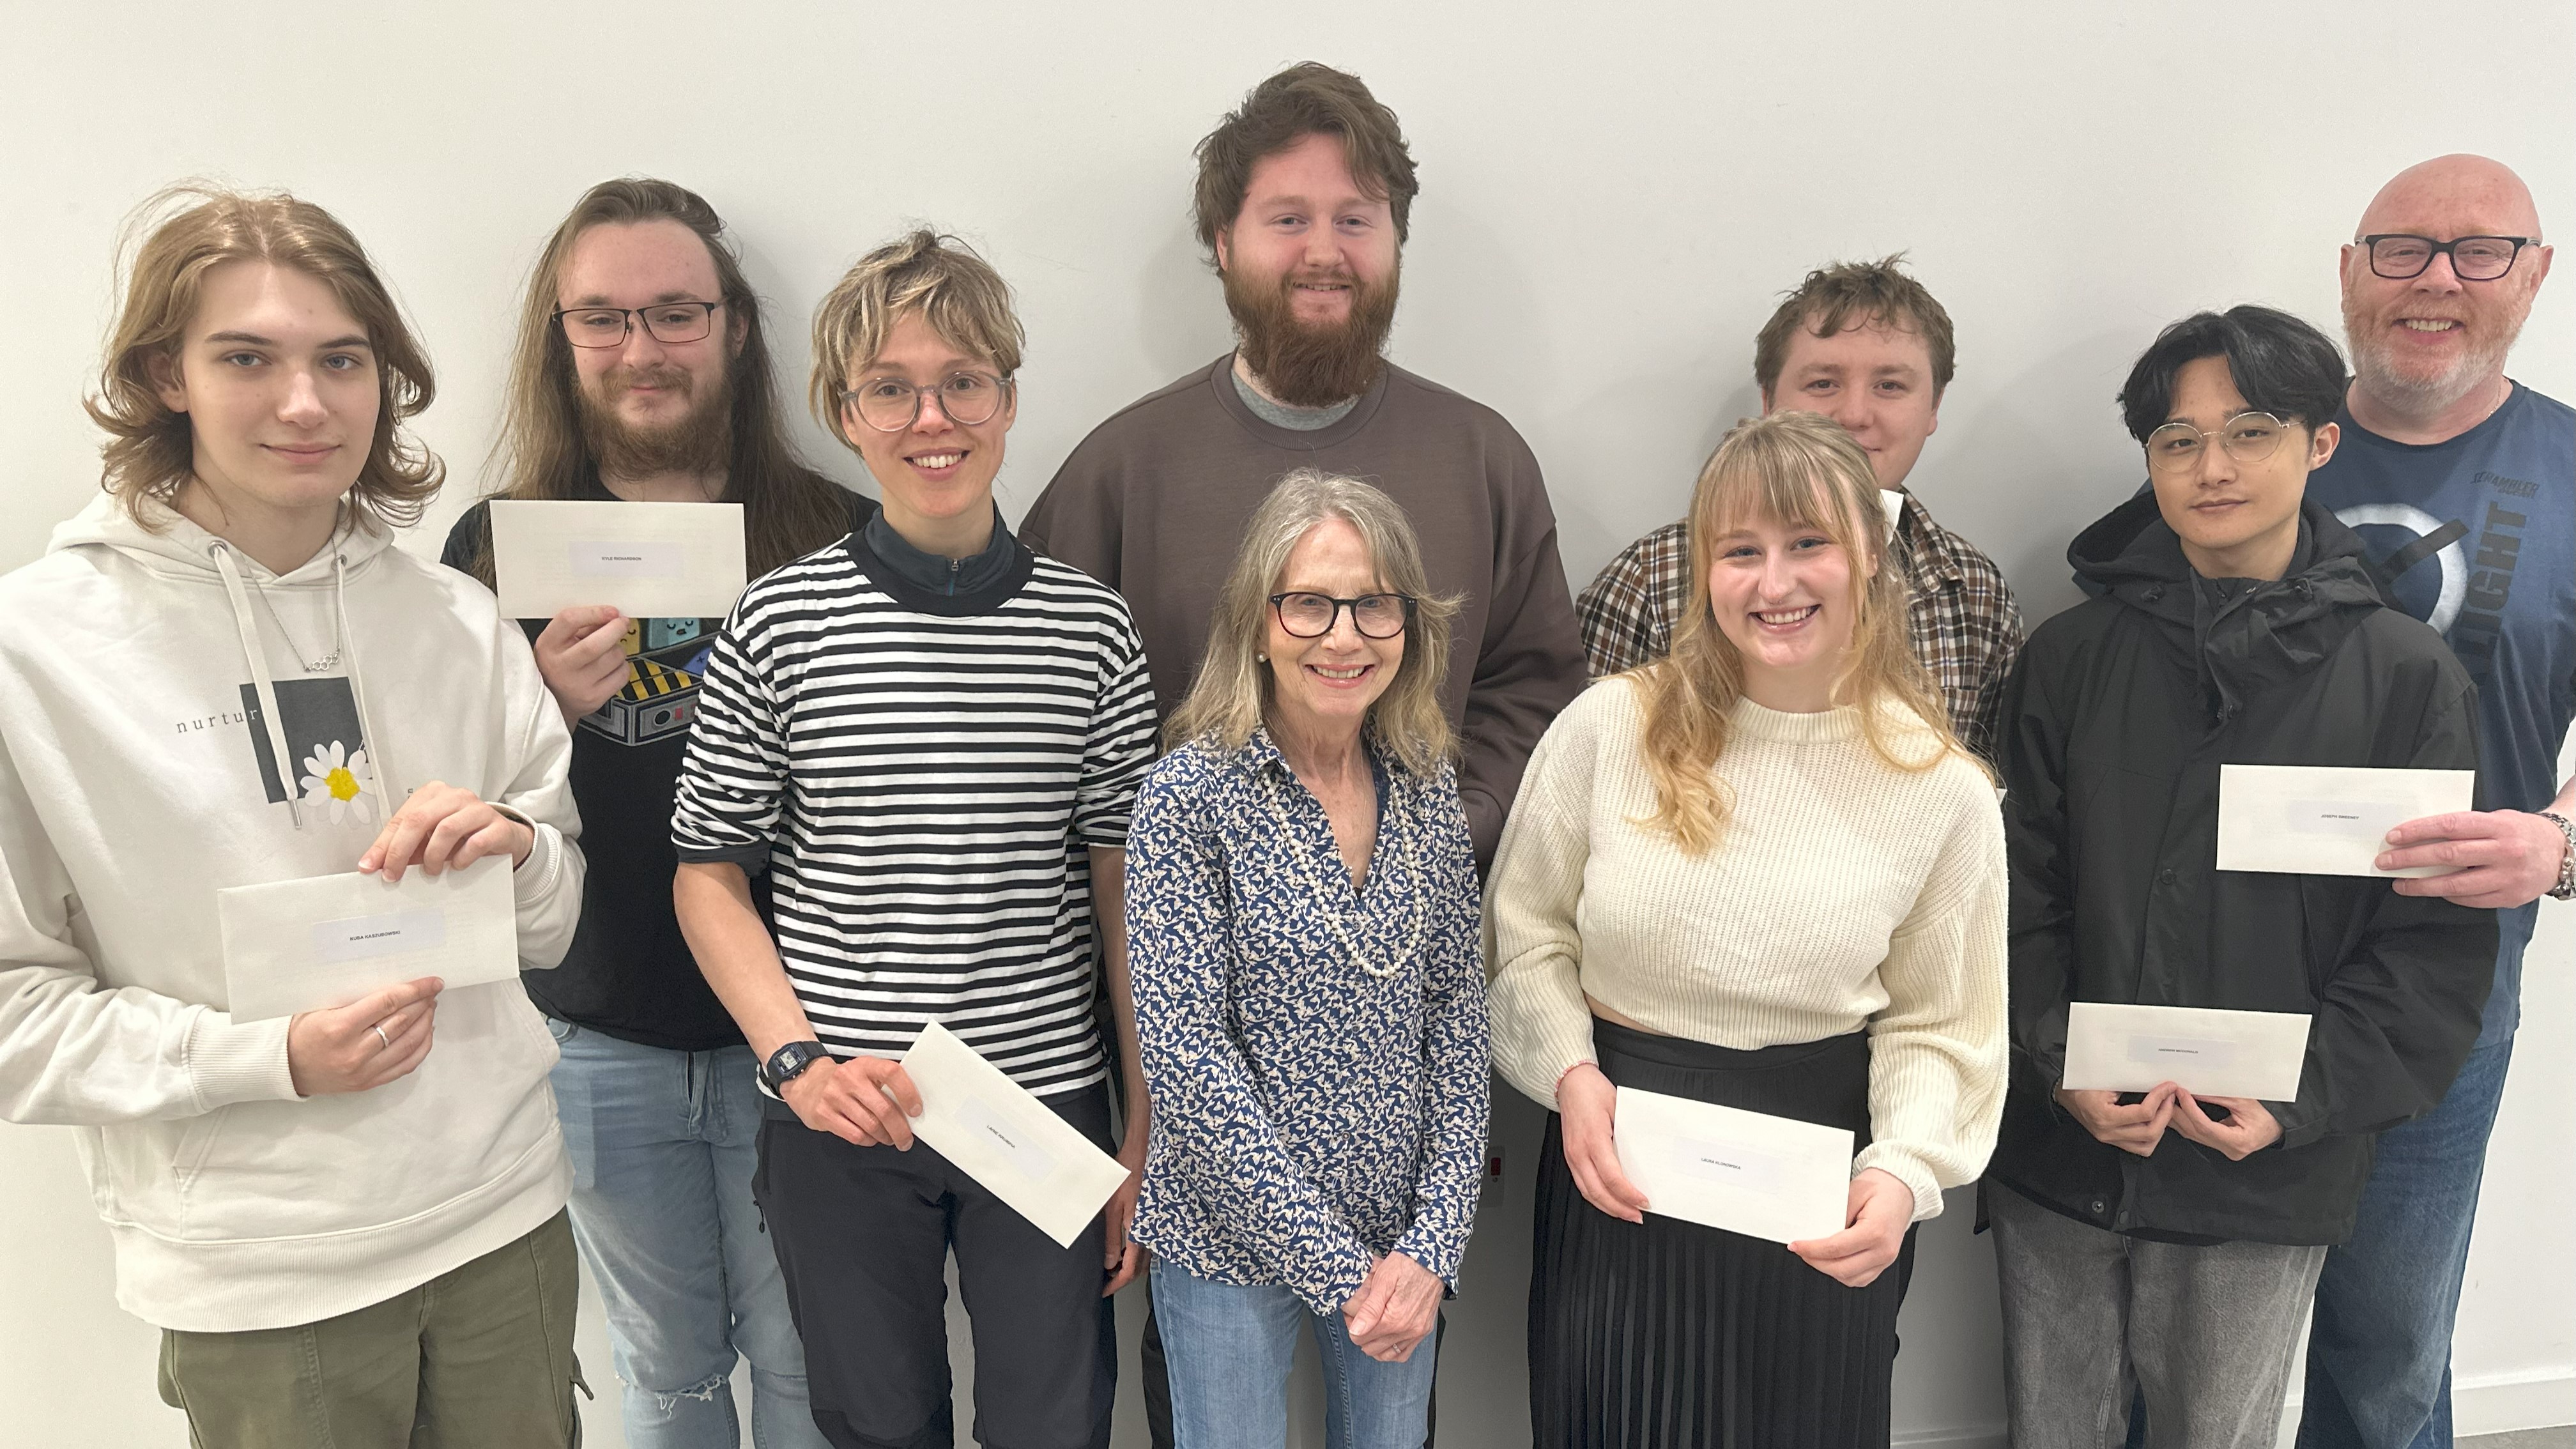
1670, 1335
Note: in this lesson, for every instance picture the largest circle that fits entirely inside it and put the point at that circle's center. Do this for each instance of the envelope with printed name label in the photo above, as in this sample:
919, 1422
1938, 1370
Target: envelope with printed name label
1006, 1139
2321, 820
326, 940
1747, 1172
648, 560
2113, 1047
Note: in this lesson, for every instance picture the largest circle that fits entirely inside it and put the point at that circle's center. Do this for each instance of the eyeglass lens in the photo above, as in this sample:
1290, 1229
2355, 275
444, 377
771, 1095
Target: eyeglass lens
890, 404
2474, 258
2248, 438
670, 323
1311, 616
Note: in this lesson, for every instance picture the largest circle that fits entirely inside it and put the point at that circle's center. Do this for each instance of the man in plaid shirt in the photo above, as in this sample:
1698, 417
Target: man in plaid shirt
1866, 345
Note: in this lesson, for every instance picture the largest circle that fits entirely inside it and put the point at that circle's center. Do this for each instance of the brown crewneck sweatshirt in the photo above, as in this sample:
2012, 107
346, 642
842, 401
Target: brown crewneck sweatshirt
1153, 504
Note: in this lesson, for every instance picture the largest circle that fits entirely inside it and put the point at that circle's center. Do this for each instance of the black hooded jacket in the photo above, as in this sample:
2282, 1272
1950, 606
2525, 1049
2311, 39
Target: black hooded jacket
2115, 724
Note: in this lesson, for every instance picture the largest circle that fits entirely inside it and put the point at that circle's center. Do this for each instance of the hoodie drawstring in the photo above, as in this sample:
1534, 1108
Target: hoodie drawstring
377, 750
257, 657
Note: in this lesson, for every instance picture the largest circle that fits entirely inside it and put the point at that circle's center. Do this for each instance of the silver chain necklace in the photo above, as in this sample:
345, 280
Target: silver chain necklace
310, 666
1306, 866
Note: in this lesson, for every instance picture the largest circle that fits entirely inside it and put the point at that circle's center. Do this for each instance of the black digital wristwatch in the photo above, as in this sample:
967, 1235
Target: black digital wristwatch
786, 1063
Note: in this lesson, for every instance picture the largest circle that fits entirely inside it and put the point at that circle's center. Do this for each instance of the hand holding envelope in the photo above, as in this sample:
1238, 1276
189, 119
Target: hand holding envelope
2314, 820
646, 560
295, 946
999, 1134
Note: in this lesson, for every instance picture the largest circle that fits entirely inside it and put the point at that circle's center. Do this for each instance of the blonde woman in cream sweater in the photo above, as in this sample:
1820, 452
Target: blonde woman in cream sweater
1760, 872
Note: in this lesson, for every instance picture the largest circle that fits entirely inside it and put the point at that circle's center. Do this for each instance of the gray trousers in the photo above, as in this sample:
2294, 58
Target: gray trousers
2092, 1317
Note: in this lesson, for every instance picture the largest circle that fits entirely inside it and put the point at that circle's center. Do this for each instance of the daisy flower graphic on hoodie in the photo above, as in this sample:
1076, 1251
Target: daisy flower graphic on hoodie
342, 779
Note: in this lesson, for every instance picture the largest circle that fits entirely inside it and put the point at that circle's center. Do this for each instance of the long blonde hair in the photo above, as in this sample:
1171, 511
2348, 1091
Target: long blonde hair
1233, 689
1791, 467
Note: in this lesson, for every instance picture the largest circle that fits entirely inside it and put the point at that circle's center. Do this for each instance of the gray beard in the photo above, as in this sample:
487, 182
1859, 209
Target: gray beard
2422, 397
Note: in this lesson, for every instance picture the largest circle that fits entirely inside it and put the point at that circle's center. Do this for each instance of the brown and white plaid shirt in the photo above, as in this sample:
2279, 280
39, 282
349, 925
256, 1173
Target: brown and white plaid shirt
1965, 626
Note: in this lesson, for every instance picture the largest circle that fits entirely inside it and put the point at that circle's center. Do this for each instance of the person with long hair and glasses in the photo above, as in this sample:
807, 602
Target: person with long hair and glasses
642, 373
1762, 872
1302, 907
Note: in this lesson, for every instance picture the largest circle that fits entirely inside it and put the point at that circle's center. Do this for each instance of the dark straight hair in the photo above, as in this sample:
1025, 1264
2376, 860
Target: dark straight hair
2281, 365
788, 509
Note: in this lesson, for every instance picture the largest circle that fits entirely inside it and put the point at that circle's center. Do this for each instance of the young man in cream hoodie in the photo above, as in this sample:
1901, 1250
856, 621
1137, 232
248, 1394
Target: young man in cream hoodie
348, 1224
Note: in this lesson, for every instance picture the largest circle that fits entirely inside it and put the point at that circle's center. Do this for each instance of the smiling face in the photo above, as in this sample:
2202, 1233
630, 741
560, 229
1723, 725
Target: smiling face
1306, 226
647, 389
281, 390
2237, 519
1322, 688
1783, 593
1875, 380
1310, 266
2425, 343
936, 475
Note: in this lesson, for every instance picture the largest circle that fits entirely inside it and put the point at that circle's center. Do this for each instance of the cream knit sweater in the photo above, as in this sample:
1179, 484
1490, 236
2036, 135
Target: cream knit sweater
1843, 893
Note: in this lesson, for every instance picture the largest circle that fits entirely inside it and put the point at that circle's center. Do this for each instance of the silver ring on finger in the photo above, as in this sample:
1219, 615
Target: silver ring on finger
379, 1030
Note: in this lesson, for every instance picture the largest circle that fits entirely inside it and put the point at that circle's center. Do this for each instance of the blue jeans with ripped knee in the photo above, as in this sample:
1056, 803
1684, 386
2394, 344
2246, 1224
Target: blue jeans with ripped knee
662, 1147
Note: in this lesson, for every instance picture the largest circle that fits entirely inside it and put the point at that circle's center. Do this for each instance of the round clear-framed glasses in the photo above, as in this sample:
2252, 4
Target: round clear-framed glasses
1312, 616
2401, 257
671, 323
2248, 437
966, 397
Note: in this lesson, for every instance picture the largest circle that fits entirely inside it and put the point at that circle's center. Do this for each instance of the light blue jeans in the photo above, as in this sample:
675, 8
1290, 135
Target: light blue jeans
1229, 1350
662, 1149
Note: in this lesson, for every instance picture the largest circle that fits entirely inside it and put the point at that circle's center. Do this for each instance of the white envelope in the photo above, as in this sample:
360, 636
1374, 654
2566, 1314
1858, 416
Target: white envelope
1747, 1172
1006, 1139
649, 560
326, 940
2321, 820
2207, 1052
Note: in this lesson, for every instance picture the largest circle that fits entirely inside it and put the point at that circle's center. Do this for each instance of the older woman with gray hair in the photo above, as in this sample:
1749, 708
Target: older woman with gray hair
1302, 918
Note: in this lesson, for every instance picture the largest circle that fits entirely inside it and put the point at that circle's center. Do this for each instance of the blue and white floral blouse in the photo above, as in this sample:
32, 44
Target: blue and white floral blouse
1309, 1115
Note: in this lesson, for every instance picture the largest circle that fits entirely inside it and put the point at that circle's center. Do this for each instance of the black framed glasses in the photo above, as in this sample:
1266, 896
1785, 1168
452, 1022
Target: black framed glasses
2248, 437
1312, 616
2400, 257
670, 323
890, 404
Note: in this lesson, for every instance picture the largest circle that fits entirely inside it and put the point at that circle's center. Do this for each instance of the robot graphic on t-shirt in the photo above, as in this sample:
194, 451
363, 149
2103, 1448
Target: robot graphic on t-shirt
665, 659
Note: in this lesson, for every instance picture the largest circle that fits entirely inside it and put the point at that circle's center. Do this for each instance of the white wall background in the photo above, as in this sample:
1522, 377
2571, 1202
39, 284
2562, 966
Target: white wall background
1614, 195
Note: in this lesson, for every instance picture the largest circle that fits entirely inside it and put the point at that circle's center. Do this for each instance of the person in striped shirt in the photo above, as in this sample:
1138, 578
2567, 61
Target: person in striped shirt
931, 739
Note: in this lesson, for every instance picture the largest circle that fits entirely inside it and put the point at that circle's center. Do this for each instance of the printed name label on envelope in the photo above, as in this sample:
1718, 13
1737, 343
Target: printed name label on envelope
2369, 820
361, 938
2182, 1051
1018, 1147
628, 560
1730, 1163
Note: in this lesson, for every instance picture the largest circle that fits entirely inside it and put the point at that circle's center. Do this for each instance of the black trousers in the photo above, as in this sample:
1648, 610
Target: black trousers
863, 1235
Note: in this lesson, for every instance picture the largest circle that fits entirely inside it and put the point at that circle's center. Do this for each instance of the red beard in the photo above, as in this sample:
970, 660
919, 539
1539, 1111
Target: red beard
1303, 365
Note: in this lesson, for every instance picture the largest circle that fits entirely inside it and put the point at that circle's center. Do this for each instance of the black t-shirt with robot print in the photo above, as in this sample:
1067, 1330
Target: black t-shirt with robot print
629, 973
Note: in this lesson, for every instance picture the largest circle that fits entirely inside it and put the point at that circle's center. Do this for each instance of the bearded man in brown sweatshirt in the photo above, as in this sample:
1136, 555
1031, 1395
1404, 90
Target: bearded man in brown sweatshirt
1302, 201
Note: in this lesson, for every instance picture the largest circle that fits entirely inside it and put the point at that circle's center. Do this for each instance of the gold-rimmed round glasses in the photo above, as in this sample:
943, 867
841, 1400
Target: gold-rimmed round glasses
2248, 437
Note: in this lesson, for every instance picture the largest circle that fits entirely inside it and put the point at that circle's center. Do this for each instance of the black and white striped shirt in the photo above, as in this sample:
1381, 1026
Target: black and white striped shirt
922, 775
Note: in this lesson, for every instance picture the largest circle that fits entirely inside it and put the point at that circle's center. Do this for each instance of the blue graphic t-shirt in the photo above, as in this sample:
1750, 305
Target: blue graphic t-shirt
2477, 537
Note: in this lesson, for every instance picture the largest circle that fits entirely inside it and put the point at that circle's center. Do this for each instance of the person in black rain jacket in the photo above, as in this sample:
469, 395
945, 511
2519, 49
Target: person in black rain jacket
2173, 1238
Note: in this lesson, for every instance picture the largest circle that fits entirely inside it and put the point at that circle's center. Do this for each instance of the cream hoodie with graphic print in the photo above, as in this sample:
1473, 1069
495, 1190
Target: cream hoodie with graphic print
149, 683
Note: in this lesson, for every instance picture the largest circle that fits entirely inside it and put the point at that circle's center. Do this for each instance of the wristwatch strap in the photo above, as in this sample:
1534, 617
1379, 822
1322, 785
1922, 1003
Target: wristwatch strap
786, 1063
2565, 890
